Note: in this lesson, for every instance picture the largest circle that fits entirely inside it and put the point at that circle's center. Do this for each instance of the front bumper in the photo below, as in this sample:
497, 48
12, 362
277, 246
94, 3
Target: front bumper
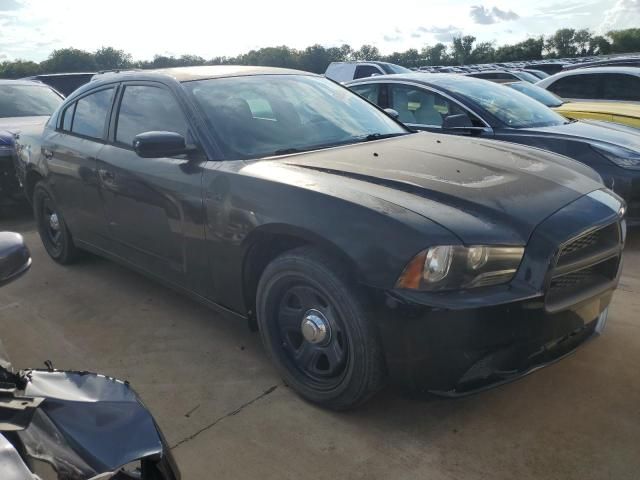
456, 343
9, 185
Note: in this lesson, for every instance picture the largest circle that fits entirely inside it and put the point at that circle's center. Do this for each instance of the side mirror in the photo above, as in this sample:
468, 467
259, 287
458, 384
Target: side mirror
392, 113
159, 144
15, 258
461, 120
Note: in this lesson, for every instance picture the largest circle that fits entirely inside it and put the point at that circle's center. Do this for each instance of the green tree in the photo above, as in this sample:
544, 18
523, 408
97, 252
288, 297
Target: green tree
18, 69
562, 43
483, 52
582, 39
367, 52
462, 47
599, 45
625, 41
69, 60
436, 55
108, 58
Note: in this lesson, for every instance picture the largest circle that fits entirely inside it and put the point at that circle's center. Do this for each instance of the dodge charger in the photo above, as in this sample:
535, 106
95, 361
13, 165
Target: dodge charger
363, 253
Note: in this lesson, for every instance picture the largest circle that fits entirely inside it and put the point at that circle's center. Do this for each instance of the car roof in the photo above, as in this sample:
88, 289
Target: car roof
33, 83
426, 78
584, 71
187, 74
359, 62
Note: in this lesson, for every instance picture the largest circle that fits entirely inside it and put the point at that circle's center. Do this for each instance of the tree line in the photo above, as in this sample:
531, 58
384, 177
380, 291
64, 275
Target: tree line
462, 50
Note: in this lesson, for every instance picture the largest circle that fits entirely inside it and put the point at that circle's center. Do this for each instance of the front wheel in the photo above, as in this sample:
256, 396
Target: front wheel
314, 325
53, 231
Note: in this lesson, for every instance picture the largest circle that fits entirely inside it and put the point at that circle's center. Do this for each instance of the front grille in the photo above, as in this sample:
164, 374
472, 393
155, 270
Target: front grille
589, 243
584, 265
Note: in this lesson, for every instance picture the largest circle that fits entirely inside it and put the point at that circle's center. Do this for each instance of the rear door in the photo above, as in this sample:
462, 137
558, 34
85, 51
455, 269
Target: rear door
152, 204
71, 150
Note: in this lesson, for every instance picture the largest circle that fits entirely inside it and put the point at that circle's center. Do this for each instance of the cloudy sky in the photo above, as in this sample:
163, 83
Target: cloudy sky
31, 29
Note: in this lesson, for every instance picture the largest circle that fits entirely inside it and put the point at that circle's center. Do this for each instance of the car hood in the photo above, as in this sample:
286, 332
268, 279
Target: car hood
611, 108
594, 131
15, 124
481, 190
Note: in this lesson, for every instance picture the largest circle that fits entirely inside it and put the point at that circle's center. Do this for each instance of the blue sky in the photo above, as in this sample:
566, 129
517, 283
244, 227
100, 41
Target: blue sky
31, 29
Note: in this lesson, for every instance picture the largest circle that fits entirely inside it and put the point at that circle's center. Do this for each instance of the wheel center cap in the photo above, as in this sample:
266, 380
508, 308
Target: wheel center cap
315, 327
54, 223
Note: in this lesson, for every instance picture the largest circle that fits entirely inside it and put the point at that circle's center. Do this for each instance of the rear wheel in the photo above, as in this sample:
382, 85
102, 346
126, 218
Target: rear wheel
53, 231
315, 327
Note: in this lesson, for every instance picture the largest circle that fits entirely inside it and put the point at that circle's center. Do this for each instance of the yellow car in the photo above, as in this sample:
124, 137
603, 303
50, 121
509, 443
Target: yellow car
618, 112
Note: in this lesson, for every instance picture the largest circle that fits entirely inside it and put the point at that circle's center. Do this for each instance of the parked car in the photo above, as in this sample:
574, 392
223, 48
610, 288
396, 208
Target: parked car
631, 61
457, 104
538, 73
64, 83
597, 83
346, 71
503, 76
363, 251
548, 67
617, 112
22, 103
72, 425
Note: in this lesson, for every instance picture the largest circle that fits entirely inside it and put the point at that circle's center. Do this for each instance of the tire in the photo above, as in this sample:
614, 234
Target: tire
57, 241
336, 360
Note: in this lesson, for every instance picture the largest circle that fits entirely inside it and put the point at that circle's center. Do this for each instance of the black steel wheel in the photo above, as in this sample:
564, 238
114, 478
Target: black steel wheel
316, 329
53, 231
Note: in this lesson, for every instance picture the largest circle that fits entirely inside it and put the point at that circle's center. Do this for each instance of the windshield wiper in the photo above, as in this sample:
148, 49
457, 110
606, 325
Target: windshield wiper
378, 136
287, 151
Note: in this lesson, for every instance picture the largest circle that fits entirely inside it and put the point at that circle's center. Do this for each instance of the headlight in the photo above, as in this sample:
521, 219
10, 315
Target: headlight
449, 267
620, 156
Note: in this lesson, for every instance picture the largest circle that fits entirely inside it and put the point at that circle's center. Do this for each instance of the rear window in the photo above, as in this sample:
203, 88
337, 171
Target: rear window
27, 101
363, 71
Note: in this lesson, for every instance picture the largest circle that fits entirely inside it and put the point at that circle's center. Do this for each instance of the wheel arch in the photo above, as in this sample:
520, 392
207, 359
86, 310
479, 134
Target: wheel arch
32, 177
268, 242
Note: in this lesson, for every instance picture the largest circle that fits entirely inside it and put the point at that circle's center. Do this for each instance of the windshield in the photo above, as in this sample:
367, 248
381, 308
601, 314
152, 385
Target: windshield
393, 68
27, 101
265, 115
540, 94
512, 108
529, 77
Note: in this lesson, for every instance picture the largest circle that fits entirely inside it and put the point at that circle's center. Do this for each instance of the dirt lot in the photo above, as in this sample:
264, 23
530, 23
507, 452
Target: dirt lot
227, 414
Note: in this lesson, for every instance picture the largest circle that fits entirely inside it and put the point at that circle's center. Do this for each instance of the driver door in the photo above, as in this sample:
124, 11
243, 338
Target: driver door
151, 204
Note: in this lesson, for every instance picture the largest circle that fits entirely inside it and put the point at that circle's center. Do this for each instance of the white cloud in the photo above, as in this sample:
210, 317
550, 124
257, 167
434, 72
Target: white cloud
487, 16
624, 14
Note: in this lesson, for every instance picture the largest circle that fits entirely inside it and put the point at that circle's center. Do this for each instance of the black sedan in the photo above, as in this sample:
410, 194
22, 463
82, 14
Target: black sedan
361, 251
460, 105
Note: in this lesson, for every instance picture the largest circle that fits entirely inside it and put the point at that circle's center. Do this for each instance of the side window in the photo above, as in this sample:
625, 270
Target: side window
371, 92
421, 107
617, 86
363, 71
67, 117
91, 114
576, 86
146, 108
